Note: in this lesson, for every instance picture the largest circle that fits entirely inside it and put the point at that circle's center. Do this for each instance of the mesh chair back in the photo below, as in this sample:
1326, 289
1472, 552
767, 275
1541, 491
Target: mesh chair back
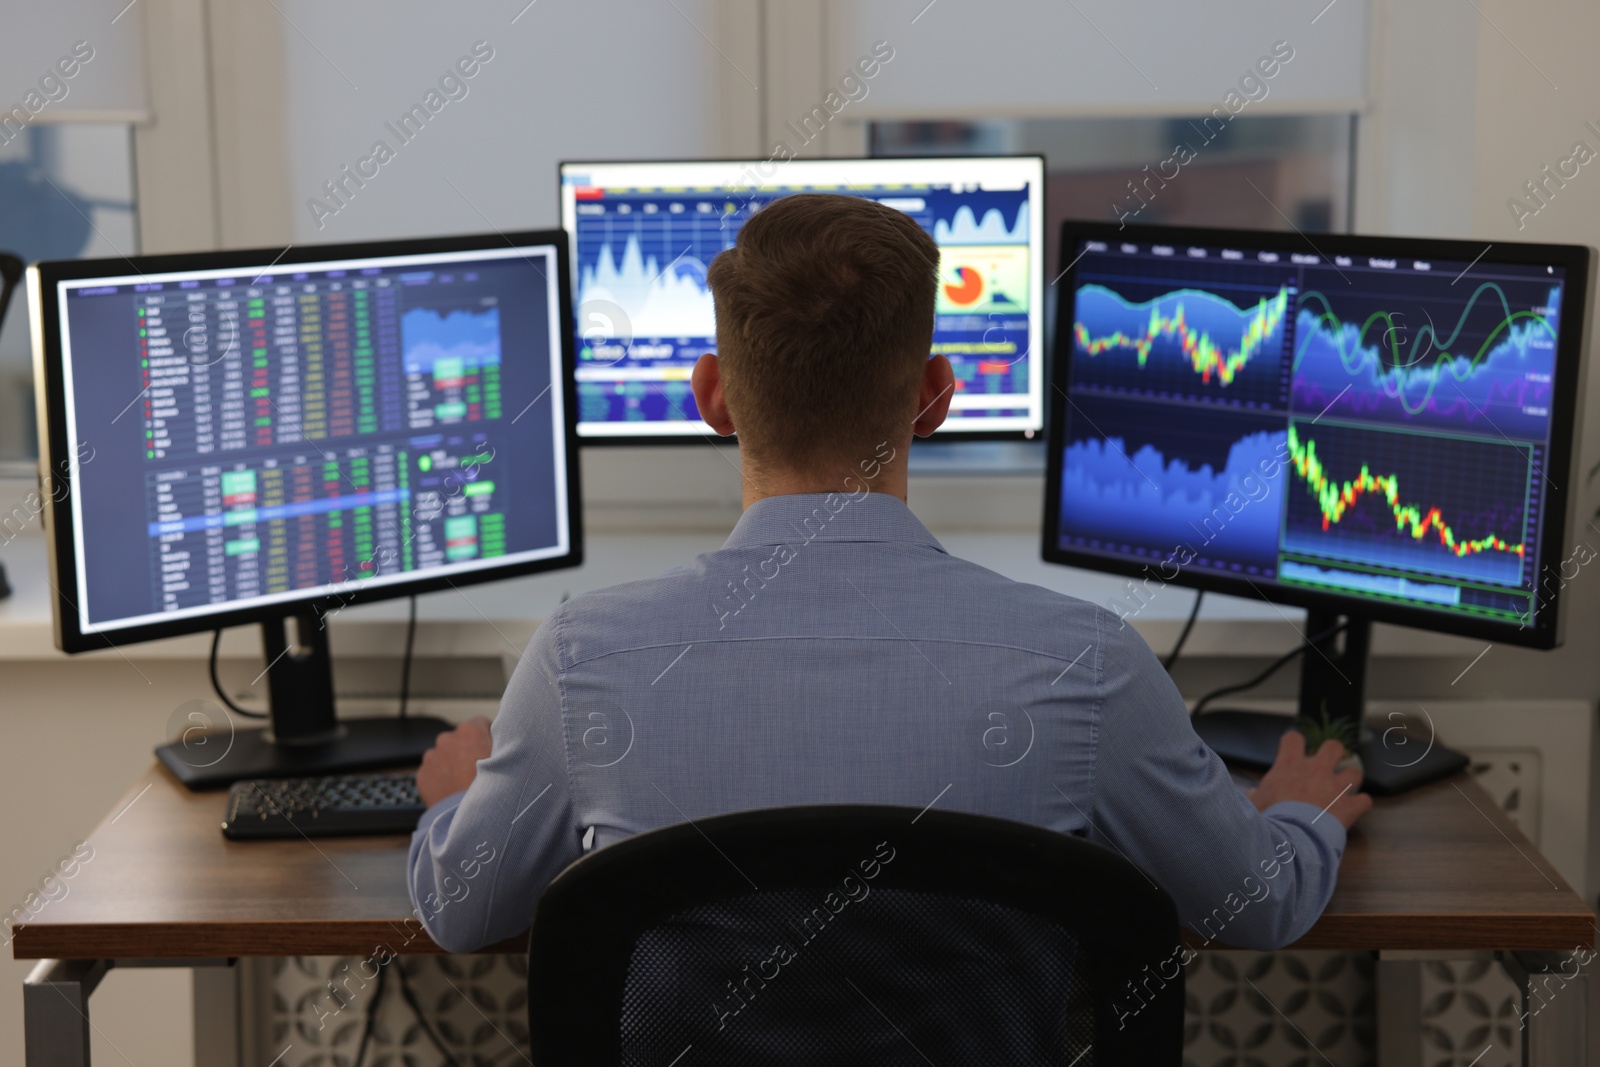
837, 935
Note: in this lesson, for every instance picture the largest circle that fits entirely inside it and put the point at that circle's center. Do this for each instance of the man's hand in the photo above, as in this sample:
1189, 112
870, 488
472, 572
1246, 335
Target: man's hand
1296, 776
452, 763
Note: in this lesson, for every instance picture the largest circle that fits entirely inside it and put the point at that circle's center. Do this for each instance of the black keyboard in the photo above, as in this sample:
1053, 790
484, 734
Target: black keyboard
323, 806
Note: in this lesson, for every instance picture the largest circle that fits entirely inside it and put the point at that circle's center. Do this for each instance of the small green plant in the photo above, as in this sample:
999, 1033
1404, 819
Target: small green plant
1326, 728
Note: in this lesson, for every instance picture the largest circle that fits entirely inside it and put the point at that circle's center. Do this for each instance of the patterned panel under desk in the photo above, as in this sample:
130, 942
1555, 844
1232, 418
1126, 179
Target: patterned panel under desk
1255, 1009
477, 1006
1245, 1009
1470, 1015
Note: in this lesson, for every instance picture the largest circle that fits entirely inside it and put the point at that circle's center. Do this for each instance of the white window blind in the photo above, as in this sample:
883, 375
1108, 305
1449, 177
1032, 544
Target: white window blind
958, 59
71, 61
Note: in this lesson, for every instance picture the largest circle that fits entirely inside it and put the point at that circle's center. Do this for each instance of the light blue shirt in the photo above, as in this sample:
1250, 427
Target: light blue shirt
832, 652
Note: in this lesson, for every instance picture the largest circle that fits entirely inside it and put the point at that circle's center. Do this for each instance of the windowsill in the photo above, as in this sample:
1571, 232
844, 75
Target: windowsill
956, 459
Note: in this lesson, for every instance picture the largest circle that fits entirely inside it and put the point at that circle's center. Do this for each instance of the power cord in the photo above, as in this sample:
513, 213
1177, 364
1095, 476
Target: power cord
405, 670
422, 1018
216, 684
411, 1001
1272, 668
505, 1054
372, 1015
405, 665
1194, 613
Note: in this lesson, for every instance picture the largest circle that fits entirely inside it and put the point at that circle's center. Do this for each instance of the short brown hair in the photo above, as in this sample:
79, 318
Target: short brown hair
824, 321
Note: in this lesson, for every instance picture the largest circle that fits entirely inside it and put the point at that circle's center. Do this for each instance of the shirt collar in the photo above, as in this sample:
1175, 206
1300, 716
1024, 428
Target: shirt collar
800, 517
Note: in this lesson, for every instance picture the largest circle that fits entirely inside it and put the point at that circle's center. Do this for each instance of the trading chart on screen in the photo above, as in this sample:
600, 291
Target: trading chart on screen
643, 236
1366, 426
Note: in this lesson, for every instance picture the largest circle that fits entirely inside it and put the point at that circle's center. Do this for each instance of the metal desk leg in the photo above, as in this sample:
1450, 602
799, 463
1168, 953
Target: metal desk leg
55, 1011
1555, 1001
1398, 981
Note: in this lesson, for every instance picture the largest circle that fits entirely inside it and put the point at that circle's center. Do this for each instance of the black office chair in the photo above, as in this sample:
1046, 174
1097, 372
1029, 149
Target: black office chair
834, 935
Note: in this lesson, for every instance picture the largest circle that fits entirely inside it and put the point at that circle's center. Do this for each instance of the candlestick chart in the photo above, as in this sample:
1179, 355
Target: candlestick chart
1186, 342
1452, 507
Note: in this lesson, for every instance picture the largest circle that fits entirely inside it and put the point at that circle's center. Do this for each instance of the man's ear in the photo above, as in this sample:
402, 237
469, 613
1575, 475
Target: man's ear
933, 397
706, 382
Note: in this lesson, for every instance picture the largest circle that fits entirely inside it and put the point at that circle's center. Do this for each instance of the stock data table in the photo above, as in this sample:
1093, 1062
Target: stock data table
242, 438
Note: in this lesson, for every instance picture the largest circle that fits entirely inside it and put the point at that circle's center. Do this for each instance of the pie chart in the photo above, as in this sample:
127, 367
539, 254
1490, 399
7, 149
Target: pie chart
982, 279
966, 290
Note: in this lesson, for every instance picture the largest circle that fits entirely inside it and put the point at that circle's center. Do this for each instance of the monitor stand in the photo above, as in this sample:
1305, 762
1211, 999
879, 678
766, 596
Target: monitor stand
1332, 682
306, 736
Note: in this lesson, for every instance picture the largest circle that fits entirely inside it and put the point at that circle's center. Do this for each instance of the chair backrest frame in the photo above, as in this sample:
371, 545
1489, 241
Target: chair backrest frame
591, 916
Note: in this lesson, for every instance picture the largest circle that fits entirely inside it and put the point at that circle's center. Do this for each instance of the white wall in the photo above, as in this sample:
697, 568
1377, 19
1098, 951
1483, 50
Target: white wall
76, 738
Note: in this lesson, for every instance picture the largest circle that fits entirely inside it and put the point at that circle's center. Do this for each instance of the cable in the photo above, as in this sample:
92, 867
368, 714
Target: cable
405, 663
504, 1055
1271, 669
216, 683
11, 269
1194, 613
422, 1019
372, 1015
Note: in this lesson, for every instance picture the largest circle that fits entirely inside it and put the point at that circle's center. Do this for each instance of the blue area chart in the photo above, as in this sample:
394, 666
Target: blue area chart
1156, 504
469, 337
978, 218
1490, 371
452, 364
1186, 343
660, 299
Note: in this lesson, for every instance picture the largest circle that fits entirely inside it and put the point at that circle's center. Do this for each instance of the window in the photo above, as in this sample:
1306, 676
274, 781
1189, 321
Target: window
1258, 172
66, 192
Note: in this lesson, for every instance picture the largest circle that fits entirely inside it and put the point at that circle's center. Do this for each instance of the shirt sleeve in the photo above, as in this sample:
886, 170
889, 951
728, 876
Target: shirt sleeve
479, 859
1240, 877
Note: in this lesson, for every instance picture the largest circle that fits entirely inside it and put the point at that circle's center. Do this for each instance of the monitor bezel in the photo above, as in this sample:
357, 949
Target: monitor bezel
56, 467
1561, 519
941, 435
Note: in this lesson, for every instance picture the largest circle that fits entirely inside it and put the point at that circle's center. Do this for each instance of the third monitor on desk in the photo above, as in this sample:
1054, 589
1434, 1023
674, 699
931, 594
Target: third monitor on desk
1371, 428
643, 235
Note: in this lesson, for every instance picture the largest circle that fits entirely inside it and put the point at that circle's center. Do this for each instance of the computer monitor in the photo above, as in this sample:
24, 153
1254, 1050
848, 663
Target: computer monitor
643, 235
1371, 428
251, 436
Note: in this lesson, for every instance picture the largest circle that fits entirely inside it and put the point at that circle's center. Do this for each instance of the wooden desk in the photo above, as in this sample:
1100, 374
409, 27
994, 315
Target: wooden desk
1440, 869
164, 883
1444, 868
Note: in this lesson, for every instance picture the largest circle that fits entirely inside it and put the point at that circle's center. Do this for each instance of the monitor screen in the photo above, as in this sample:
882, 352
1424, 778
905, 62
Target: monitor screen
260, 434
1377, 425
643, 235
